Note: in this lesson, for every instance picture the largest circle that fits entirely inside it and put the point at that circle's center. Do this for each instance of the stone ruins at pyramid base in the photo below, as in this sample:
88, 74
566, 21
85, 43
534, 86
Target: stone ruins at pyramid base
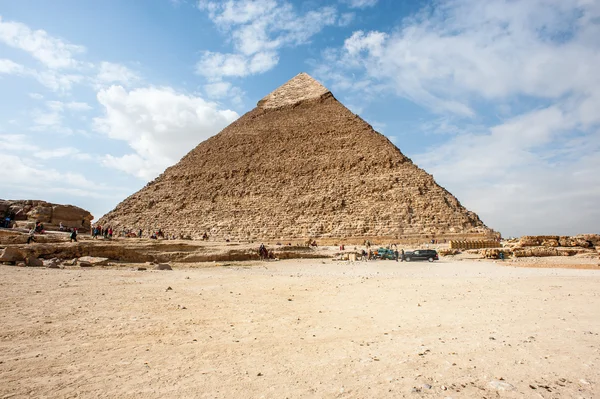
300, 165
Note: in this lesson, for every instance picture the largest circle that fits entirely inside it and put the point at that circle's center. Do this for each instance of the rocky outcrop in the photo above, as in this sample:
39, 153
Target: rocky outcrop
581, 240
11, 255
540, 246
299, 165
51, 215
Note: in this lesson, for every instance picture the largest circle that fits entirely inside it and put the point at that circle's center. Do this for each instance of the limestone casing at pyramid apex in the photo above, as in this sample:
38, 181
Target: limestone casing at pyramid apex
301, 87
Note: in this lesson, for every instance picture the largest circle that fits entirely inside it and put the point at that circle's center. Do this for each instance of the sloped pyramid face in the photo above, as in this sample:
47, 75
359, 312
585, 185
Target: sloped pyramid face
299, 165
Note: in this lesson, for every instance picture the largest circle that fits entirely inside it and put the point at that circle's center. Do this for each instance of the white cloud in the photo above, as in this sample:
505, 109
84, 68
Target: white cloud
217, 89
159, 124
48, 120
55, 81
50, 78
29, 176
10, 67
36, 96
116, 73
78, 106
21, 144
218, 65
491, 50
10, 143
56, 56
346, 19
360, 3
52, 118
61, 152
258, 29
52, 52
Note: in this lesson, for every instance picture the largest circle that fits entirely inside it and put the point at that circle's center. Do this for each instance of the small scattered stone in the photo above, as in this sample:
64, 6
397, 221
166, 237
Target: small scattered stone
33, 262
259, 374
94, 260
427, 386
169, 289
141, 269
501, 385
163, 266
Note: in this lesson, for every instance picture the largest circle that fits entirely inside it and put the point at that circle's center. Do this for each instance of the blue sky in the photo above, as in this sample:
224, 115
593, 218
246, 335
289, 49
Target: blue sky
498, 100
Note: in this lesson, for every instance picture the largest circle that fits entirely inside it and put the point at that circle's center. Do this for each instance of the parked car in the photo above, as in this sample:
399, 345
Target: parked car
421, 254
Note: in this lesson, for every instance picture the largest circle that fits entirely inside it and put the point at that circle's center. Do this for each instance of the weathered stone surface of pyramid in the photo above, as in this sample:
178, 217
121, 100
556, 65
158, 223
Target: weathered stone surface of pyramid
299, 165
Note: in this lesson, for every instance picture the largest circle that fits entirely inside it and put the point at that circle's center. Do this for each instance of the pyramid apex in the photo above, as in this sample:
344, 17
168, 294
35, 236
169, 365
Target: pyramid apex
301, 87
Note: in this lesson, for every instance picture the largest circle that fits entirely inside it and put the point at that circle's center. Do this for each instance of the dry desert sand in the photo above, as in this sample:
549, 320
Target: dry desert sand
301, 329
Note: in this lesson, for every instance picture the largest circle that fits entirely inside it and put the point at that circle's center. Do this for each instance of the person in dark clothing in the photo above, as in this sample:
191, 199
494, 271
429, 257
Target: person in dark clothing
402, 255
74, 235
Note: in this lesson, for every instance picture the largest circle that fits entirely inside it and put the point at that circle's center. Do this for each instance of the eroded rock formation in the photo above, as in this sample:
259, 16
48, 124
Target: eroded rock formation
26, 212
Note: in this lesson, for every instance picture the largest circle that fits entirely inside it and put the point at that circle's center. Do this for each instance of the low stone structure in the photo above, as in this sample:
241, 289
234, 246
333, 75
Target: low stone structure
474, 244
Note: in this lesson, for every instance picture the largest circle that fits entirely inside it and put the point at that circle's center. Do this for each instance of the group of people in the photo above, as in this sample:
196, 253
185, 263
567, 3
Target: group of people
264, 253
369, 254
100, 231
372, 255
39, 229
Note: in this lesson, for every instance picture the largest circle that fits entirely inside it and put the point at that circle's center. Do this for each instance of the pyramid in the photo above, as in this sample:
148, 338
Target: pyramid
300, 165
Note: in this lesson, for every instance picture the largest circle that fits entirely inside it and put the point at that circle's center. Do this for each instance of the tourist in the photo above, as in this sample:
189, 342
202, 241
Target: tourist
110, 232
31, 236
402, 255
140, 233
73, 235
396, 254
61, 227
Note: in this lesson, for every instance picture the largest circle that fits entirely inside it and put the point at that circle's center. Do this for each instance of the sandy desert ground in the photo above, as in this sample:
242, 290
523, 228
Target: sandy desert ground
301, 329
